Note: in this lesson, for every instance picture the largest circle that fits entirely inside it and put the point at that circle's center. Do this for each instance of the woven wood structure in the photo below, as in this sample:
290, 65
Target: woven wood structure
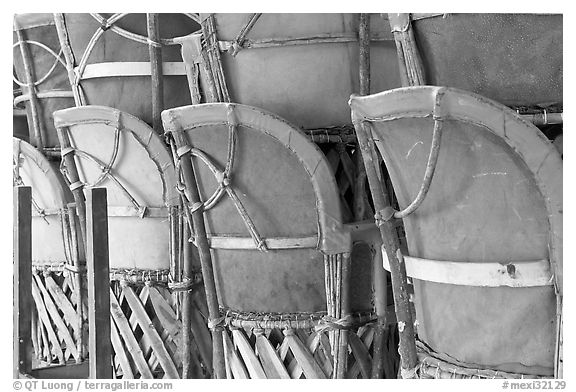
425, 132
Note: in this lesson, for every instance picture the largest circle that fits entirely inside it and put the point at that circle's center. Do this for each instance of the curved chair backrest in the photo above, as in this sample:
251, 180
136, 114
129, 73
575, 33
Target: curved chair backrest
50, 196
122, 153
272, 206
485, 245
112, 64
37, 60
493, 51
301, 66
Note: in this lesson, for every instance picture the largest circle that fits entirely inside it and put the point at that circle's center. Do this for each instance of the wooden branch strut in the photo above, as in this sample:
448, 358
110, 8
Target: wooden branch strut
407, 348
60, 22
389, 213
196, 223
238, 42
411, 66
157, 80
35, 108
228, 46
216, 74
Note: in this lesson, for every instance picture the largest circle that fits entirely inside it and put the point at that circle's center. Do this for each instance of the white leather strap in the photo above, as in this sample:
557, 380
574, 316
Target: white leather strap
107, 70
494, 274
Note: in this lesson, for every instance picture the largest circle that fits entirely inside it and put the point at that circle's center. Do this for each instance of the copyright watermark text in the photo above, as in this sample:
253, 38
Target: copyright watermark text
534, 384
89, 385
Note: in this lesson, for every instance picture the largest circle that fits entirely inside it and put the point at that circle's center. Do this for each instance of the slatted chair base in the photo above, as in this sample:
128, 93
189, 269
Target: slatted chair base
147, 336
146, 328
55, 319
302, 353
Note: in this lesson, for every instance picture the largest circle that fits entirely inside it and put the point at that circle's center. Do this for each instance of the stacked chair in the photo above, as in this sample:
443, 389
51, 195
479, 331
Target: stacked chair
479, 191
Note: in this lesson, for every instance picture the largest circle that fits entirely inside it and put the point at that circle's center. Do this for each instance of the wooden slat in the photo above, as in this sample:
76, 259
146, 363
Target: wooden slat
22, 272
294, 369
348, 166
129, 339
368, 337
34, 332
150, 332
120, 353
202, 337
320, 356
252, 363
304, 358
361, 355
153, 362
236, 366
143, 342
70, 315
324, 346
271, 362
391, 363
283, 349
45, 343
99, 344
167, 317
61, 329
200, 301
43, 313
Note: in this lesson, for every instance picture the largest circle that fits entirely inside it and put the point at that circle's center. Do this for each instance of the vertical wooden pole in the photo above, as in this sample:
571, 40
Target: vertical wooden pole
74, 179
99, 342
35, 107
345, 266
204, 255
155, 50
189, 365
407, 349
62, 31
409, 61
364, 42
364, 68
359, 208
22, 280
